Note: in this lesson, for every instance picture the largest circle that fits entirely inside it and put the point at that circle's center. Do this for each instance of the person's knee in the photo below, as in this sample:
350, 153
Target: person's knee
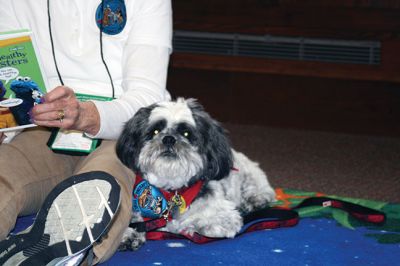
105, 159
9, 207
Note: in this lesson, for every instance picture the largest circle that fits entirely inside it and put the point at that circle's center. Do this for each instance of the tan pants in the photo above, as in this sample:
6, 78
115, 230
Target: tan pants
29, 170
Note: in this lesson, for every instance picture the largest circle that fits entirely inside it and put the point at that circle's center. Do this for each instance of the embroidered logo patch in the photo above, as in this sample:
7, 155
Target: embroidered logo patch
113, 16
148, 200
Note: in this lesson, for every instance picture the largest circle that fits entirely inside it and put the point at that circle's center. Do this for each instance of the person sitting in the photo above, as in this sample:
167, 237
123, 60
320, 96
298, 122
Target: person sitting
126, 60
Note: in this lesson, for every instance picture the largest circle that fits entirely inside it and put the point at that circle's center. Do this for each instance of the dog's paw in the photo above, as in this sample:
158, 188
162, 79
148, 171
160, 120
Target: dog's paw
227, 226
223, 220
132, 240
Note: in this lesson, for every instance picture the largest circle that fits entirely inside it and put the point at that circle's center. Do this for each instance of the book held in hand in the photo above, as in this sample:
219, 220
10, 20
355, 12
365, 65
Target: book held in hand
22, 86
22, 80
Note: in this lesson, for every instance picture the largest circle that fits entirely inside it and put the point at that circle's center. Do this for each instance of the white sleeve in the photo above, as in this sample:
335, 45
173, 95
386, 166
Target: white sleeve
144, 84
145, 65
8, 19
151, 23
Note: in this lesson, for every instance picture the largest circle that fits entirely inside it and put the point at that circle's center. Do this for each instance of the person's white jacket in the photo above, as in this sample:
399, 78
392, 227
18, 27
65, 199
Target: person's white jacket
137, 57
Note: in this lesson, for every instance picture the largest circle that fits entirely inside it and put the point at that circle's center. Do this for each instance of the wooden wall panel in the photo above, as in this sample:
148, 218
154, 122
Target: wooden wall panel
360, 107
387, 71
347, 20
347, 98
340, 19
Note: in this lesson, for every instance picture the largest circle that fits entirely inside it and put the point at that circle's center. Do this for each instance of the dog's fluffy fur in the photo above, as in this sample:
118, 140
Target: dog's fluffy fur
172, 145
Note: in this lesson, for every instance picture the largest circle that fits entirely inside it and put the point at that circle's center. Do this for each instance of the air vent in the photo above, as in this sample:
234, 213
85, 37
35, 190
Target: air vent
277, 47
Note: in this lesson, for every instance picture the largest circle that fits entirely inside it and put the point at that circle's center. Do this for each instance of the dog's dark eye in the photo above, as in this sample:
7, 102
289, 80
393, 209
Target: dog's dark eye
185, 131
155, 129
186, 134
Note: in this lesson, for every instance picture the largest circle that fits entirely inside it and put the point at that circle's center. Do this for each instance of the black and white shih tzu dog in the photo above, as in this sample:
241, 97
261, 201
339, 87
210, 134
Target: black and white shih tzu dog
175, 145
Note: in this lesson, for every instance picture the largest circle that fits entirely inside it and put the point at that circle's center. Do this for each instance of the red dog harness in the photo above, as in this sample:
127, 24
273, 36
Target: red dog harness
158, 207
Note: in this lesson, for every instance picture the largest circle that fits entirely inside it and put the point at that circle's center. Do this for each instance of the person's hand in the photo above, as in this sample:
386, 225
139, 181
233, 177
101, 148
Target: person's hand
60, 108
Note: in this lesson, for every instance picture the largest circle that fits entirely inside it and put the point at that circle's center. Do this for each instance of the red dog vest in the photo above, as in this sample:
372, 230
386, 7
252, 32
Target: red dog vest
156, 207
152, 202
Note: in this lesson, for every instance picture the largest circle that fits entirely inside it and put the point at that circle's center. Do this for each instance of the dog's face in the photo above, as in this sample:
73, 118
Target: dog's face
173, 144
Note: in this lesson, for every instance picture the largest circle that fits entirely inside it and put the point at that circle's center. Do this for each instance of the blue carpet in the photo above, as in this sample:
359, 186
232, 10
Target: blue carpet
322, 237
314, 241
311, 242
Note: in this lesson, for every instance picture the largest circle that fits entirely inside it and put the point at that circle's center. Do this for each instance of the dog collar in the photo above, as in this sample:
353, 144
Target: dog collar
152, 202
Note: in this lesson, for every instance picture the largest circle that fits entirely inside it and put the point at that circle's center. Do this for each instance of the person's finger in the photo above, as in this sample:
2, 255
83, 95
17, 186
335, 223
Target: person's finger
65, 117
51, 115
61, 123
40, 110
60, 118
57, 94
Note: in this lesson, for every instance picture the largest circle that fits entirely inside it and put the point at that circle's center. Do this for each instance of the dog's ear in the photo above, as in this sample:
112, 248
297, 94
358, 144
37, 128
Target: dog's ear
215, 143
130, 141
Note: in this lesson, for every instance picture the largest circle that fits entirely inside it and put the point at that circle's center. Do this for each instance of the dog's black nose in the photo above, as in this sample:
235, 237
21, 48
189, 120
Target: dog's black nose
169, 141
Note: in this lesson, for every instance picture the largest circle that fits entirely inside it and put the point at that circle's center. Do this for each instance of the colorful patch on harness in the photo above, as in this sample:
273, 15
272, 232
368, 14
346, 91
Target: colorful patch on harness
148, 200
112, 13
179, 204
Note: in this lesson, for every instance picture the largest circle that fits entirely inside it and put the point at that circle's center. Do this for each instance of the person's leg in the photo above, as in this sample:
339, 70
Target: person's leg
105, 159
29, 170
